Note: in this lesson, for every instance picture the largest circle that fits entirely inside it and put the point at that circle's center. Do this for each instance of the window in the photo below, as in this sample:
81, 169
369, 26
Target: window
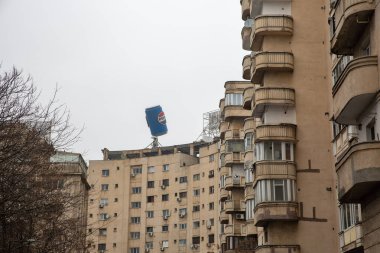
211, 190
235, 146
104, 187
211, 174
182, 211
105, 172
249, 206
135, 220
116, 199
165, 228
274, 151
196, 192
150, 184
275, 190
350, 215
211, 206
116, 186
165, 244
248, 174
182, 226
137, 170
150, 214
134, 250
136, 190
196, 224
135, 235
103, 202
136, 204
248, 142
165, 167
183, 194
103, 216
149, 229
211, 239
102, 231
115, 214
165, 197
196, 177
196, 208
196, 240
183, 180
182, 242
234, 99
166, 212
150, 199
101, 246
165, 182
211, 158
151, 169
211, 222
370, 130
149, 245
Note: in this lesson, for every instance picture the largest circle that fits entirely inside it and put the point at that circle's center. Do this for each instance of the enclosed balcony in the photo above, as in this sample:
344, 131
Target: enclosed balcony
274, 170
283, 132
247, 97
245, 9
248, 229
278, 249
234, 206
275, 211
233, 158
232, 230
272, 96
234, 182
279, 25
223, 127
249, 125
247, 67
357, 174
270, 61
349, 22
223, 194
351, 239
355, 88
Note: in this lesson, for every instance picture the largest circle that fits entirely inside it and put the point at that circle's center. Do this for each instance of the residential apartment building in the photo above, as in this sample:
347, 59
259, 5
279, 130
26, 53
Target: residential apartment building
355, 45
155, 200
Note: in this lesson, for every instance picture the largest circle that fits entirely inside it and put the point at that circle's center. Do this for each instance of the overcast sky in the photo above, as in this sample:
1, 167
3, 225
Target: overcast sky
113, 58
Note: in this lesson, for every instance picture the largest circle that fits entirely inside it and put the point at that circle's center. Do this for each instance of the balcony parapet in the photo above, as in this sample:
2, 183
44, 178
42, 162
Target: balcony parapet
272, 96
247, 97
356, 87
235, 111
224, 217
343, 140
358, 171
283, 132
245, 9
269, 25
266, 212
234, 206
351, 238
351, 17
248, 229
246, 37
278, 249
270, 61
233, 230
233, 158
249, 192
234, 182
274, 170
247, 67
234, 134
249, 125
223, 127
223, 194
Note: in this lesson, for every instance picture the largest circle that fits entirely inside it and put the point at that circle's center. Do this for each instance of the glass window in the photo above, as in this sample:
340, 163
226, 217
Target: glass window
350, 215
135, 235
104, 187
165, 167
149, 245
166, 212
275, 190
150, 199
104, 216
196, 177
196, 224
235, 145
101, 246
234, 99
182, 226
149, 229
150, 184
211, 190
248, 142
183, 194
165, 197
182, 211
136, 190
105, 172
102, 231
211, 158
136, 204
149, 214
134, 250
151, 169
182, 242
196, 208
137, 170
211, 206
183, 179
196, 192
211, 239
165, 182
165, 228
196, 240
103, 202
135, 220
270, 151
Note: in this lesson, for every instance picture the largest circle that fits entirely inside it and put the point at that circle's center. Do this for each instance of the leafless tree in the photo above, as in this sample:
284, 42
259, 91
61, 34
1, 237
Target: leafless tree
36, 205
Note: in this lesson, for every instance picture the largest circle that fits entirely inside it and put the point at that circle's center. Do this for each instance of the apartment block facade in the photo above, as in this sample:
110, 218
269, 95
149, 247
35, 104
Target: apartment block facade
155, 200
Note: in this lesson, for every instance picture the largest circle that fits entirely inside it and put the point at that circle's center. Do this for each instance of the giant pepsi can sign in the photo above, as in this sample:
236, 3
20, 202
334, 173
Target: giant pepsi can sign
156, 120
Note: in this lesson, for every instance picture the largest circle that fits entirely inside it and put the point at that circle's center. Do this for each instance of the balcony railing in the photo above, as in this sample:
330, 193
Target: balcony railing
266, 212
247, 67
275, 96
269, 25
233, 206
234, 182
234, 134
249, 125
247, 97
340, 66
223, 194
234, 158
224, 217
232, 230
343, 139
284, 132
248, 229
270, 61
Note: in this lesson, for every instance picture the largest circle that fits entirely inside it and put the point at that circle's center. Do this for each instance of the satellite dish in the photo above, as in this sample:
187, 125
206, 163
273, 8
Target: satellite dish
155, 117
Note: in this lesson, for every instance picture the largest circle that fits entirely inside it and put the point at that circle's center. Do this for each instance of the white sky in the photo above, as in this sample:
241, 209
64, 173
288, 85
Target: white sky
113, 58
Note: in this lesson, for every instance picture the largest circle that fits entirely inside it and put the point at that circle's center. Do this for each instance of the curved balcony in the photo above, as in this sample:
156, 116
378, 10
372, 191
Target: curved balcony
224, 217
233, 158
278, 249
357, 174
247, 97
270, 25
284, 132
275, 211
275, 96
248, 229
234, 182
223, 194
221, 108
234, 134
343, 140
247, 67
249, 125
249, 192
235, 111
232, 230
274, 170
246, 37
223, 127
234, 206
355, 88
351, 18
245, 9
224, 171
270, 61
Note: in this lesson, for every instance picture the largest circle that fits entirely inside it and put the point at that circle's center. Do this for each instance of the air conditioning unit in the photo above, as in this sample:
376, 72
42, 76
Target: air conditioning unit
133, 174
102, 251
239, 216
166, 217
179, 199
162, 249
147, 250
163, 187
150, 234
194, 246
208, 226
181, 215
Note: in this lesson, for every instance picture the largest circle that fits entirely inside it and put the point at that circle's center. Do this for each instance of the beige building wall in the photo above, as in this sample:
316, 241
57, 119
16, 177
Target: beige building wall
130, 226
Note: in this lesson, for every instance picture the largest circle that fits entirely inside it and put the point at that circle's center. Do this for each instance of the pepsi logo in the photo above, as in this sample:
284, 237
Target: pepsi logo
162, 118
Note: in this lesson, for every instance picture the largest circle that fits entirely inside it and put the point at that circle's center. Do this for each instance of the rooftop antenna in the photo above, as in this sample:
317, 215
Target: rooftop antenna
155, 117
211, 121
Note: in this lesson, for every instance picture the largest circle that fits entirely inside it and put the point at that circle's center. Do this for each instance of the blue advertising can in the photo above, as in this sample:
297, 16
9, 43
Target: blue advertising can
156, 120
